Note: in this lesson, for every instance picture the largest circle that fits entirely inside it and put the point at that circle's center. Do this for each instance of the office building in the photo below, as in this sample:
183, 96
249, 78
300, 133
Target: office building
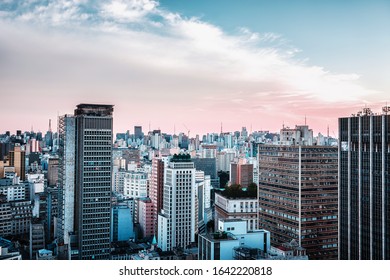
122, 225
241, 173
231, 239
135, 184
52, 172
176, 221
17, 159
156, 188
364, 186
145, 217
138, 134
85, 181
298, 197
244, 208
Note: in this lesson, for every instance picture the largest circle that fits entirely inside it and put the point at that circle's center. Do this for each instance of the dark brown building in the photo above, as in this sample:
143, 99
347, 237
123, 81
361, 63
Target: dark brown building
298, 197
156, 187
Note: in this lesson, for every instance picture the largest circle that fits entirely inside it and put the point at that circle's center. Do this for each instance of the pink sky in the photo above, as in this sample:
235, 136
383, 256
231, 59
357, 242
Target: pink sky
174, 72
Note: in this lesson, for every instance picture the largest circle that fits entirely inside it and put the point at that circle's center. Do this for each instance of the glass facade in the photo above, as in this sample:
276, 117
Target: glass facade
364, 187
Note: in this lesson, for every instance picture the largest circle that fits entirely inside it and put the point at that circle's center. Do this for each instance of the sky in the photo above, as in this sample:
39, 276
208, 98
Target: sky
173, 65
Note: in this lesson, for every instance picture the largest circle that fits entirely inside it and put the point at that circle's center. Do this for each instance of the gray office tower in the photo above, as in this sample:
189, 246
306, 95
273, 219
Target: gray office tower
138, 132
364, 186
85, 182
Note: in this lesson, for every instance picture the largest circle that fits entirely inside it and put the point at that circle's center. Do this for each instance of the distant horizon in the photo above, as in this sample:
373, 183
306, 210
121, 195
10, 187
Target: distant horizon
180, 127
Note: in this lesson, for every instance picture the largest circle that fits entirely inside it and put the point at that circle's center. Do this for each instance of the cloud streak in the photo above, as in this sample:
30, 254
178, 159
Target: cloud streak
138, 54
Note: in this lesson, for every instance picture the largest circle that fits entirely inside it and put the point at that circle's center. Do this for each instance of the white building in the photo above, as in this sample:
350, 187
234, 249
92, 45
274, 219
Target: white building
300, 135
237, 208
176, 222
202, 202
224, 159
232, 235
14, 192
135, 184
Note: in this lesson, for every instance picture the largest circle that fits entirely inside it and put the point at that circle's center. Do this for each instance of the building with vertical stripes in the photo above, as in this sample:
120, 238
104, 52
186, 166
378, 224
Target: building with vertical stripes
364, 186
85, 182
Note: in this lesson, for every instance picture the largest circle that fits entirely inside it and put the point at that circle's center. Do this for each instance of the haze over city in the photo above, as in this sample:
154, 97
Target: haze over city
194, 64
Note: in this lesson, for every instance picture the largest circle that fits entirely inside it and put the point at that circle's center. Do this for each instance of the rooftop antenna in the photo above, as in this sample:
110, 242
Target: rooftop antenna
305, 119
283, 125
49, 125
149, 126
221, 127
174, 129
328, 131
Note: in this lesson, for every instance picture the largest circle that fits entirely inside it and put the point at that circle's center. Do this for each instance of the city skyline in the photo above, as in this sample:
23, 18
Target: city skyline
170, 63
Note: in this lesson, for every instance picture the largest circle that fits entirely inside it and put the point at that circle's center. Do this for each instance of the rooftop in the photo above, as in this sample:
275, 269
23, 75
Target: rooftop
220, 235
181, 158
99, 110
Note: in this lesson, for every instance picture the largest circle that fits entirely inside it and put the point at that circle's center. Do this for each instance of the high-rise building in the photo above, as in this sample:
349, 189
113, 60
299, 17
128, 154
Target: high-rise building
298, 197
66, 183
145, 217
138, 134
156, 188
364, 186
17, 158
85, 180
52, 171
176, 222
241, 174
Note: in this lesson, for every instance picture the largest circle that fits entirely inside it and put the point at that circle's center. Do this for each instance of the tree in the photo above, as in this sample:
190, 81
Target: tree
252, 190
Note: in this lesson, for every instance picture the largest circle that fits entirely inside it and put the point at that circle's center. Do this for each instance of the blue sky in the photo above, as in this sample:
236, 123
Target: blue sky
343, 36
245, 63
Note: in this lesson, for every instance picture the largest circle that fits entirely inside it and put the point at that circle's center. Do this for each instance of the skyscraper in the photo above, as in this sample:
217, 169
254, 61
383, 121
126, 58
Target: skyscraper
176, 222
85, 180
298, 196
138, 134
364, 186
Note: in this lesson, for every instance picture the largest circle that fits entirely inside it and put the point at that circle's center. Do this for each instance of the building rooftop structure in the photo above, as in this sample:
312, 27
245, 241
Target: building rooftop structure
94, 110
181, 158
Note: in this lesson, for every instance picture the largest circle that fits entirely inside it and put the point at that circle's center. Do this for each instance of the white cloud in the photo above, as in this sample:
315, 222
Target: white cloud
121, 48
128, 11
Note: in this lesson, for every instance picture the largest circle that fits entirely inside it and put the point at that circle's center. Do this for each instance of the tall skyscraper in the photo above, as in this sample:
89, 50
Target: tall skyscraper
176, 222
364, 186
85, 180
298, 197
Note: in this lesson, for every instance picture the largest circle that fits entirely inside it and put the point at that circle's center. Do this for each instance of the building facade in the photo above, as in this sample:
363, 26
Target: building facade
236, 208
298, 197
156, 189
176, 221
364, 186
85, 180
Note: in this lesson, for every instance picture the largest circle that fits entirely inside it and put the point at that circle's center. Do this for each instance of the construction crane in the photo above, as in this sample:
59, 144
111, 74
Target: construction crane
188, 131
